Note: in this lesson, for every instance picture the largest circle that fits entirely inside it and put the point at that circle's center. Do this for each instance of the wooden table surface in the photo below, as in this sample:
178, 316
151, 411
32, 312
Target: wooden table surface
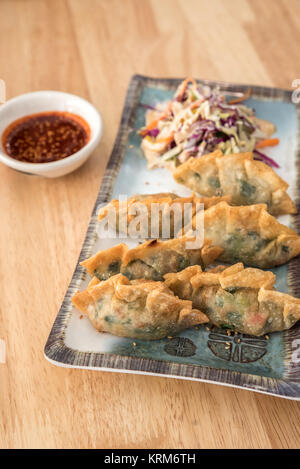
91, 48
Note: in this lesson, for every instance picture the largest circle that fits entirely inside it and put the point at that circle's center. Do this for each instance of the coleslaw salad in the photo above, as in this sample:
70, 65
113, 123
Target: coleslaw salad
199, 120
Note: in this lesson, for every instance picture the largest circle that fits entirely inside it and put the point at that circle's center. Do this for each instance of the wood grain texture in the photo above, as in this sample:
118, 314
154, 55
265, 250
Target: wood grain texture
91, 48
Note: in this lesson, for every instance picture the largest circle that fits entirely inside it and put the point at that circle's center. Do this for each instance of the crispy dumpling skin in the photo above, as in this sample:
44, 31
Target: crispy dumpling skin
140, 309
166, 256
248, 181
167, 200
106, 263
237, 298
249, 234
150, 260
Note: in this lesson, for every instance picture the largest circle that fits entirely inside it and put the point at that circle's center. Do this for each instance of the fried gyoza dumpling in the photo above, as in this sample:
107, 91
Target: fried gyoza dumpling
150, 260
140, 309
249, 234
167, 224
248, 181
237, 298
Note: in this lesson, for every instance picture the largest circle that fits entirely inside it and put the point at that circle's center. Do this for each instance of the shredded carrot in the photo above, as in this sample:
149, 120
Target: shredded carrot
150, 126
241, 98
165, 139
268, 142
184, 84
197, 103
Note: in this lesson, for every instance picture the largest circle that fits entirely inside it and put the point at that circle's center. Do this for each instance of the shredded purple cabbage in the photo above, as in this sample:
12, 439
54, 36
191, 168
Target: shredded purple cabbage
148, 106
153, 132
261, 156
171, 145
229, 122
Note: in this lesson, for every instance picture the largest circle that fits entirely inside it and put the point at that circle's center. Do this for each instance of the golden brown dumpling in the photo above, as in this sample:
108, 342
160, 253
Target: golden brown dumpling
150, 260
140, 309
247, 181
237, 298
249, 234
167, 223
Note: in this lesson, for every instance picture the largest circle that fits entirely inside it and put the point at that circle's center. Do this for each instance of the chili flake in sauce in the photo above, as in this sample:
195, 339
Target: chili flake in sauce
45, 137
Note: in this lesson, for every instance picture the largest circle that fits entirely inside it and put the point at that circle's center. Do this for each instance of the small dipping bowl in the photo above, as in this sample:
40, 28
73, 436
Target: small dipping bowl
43, 101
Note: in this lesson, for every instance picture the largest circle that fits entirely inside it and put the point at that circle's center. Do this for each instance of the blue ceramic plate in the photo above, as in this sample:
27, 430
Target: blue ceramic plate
270, 366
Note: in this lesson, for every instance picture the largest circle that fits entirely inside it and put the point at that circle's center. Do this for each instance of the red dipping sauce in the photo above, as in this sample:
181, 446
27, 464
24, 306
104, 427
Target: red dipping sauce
45, 137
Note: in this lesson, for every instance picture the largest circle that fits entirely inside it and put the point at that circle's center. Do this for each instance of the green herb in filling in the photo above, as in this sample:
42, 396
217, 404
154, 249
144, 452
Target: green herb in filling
231, 289
110, 319
233, 318
139, 269
246, 189
258, 242
182, 263
219, 301
235, 242
113, 269
214, 182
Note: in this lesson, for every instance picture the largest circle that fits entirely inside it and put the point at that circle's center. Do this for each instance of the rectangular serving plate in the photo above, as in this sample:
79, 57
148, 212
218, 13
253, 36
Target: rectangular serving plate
268, 366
